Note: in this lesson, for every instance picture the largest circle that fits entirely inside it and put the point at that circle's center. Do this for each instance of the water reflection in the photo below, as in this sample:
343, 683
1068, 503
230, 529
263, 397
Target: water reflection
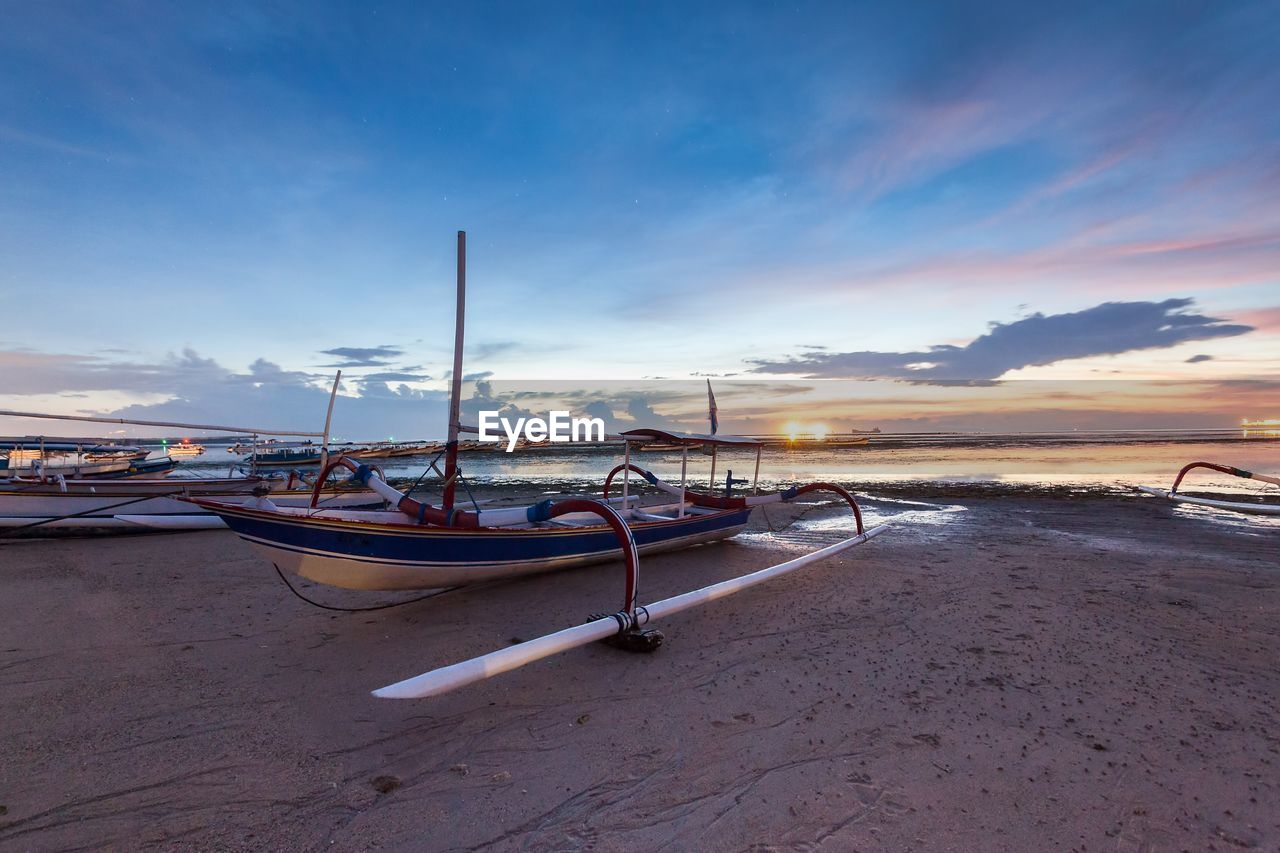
1110, 466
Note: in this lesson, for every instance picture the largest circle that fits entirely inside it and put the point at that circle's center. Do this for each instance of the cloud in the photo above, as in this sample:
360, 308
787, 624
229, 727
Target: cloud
485, 351
1196, 359
395, 376
378, 356
1107, 329
188, 387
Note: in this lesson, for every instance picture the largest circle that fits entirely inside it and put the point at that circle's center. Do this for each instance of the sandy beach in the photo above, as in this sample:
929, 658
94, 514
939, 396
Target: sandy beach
1020, 673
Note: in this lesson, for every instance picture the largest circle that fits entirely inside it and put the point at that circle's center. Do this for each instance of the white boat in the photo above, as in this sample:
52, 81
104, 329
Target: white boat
1262, 428
37, 459
84, 506
51, 503
1260, 507
185, 449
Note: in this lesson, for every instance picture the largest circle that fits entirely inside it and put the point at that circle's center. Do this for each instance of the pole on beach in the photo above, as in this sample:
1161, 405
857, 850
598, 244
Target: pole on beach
455, 391
447, 678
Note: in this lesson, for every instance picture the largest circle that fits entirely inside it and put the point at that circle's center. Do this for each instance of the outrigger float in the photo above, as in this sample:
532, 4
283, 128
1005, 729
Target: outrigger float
1236, 506
419, 546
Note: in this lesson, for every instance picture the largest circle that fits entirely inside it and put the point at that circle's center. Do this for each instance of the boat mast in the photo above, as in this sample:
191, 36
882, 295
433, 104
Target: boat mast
455, 392
328, 419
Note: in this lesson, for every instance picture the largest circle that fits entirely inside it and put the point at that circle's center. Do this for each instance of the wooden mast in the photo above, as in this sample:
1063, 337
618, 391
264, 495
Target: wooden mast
328, 419
455, 392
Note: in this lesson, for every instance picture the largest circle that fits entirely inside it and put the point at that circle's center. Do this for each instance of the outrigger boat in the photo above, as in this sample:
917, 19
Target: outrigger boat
50, 503
61, 507
35, 458
416, 545
1236, 506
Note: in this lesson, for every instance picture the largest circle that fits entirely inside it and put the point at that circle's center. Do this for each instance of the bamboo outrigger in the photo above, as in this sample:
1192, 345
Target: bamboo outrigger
1173, 495
416, 545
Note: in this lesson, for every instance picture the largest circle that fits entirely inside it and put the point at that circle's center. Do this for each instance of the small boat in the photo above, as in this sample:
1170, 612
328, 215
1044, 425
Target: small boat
1261, 428
185, 449
46, 503
414, 545
285, 456
33, 458
59, 506
378, 450
1253, 507
809, 441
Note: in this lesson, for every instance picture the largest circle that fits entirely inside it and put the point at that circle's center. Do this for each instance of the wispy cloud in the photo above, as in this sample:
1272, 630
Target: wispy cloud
378, 356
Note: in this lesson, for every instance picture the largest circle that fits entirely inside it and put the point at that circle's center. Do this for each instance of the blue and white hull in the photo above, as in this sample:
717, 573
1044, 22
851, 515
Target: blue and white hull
386, 550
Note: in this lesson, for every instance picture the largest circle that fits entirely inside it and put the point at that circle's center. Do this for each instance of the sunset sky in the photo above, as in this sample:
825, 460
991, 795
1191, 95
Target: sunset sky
206, 209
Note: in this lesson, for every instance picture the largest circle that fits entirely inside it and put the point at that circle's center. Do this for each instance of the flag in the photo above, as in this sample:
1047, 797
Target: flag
712, 415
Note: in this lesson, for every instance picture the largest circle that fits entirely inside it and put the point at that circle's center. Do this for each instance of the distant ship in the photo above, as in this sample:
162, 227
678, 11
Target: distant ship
186, 448
1269, 428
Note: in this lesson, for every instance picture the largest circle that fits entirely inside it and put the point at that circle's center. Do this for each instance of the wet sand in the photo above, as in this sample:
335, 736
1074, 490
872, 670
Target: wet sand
1029, 673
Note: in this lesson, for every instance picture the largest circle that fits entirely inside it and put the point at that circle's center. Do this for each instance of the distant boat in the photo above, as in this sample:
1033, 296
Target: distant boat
1269, 428
185, 448
278, 456
41, 459
809, 441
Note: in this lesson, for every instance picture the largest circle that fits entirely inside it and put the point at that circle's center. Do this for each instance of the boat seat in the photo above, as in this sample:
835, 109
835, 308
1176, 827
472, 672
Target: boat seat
641, 515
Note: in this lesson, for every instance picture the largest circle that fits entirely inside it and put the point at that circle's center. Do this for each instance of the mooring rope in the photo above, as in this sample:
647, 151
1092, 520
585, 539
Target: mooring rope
13, 530
314, 603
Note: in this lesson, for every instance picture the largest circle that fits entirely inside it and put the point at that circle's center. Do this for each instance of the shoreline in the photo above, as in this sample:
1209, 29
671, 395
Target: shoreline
1038, 672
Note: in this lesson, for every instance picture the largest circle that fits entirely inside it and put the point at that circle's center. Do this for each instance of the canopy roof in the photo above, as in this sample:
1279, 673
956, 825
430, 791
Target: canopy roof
688, 438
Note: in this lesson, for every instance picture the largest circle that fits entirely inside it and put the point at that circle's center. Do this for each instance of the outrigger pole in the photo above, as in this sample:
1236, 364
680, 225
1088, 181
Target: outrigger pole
455, 391
457, 675
128, 421
1225, 469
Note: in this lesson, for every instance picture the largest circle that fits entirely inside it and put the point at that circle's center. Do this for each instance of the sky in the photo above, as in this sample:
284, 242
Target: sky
207, 209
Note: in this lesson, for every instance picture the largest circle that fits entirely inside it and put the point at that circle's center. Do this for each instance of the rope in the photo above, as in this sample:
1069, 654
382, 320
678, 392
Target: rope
431, 466
13, 530
467, 486
314, 603
764, 510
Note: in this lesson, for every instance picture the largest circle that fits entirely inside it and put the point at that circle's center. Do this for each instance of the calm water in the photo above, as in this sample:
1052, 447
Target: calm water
1095, 463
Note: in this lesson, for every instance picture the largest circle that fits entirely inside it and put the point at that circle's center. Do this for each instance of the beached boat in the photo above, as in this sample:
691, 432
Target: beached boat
34, 458
44, 503
809, 441
80, 507
416, 545
1261, 506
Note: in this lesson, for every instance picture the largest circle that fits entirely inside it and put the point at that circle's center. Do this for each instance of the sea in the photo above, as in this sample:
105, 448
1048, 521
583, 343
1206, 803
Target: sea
949, 463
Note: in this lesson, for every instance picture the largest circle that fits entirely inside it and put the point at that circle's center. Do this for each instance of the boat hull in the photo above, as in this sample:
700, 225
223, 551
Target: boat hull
380, 556
118, 508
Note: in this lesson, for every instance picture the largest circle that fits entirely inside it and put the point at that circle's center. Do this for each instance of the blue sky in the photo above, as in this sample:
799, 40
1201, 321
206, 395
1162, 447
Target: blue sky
190, 190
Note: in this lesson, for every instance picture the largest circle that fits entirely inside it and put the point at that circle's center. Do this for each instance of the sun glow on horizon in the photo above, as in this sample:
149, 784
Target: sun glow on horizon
795, 431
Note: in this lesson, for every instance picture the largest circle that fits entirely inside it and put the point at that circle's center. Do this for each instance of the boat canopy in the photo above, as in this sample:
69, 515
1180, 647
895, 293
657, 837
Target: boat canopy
688, 438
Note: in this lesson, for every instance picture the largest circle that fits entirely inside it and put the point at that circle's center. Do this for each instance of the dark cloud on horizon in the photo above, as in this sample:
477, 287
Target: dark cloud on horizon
1196, 359
1107, 329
